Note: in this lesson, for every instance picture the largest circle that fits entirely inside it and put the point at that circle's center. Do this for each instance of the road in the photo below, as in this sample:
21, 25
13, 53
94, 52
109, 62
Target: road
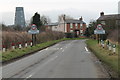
67, 59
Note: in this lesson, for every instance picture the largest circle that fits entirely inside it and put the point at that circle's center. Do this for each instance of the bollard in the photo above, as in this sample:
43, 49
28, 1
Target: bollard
20, 46
103, 45
114, 48
26, 44
4, 49
13, 46
110, 47
31, 44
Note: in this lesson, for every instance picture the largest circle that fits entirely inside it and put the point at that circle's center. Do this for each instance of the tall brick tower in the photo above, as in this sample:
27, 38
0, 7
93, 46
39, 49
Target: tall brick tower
19, 17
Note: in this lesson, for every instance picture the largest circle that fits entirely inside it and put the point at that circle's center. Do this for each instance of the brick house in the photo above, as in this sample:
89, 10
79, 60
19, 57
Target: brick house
69, 26
75, 26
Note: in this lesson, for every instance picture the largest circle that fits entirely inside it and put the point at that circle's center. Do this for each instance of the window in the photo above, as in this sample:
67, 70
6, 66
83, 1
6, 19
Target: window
81, 25
71, 30
103, 22
71, 25
76, 25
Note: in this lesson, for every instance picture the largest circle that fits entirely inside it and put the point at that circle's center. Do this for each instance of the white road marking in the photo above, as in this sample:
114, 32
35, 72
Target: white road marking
41, 51
61, 48
37, 69
86, 49
46, 49
29, 76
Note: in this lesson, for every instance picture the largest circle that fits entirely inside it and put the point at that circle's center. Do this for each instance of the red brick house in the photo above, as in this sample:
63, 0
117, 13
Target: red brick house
75, 26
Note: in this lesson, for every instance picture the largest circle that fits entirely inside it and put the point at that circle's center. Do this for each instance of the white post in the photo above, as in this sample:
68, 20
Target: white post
114, 50
31, 44
110, 48
20, 46
26, 45
4, 49
103, 45
13, 47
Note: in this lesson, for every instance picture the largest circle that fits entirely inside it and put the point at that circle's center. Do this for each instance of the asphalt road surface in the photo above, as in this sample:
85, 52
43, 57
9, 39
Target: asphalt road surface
67, 59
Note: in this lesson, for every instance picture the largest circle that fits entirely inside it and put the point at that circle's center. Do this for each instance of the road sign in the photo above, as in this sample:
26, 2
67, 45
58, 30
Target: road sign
99, 30
33, 29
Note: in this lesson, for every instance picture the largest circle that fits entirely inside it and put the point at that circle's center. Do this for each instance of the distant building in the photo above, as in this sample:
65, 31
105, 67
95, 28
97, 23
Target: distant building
119, 7
69, 26
109, 22
19, 17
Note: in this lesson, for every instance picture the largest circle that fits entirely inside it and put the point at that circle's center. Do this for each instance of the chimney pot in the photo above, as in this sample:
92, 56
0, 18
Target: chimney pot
102, 14
81, 18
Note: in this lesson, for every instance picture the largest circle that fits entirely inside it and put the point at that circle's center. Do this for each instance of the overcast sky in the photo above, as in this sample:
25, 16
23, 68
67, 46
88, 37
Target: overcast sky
88, 9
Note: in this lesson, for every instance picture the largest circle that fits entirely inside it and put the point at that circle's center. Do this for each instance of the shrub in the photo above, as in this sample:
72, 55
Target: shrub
9, 37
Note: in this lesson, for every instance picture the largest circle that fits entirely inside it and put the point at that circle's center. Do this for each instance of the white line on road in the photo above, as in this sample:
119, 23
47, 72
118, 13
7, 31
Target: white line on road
37, 69
46, 49
86, 49
29, 76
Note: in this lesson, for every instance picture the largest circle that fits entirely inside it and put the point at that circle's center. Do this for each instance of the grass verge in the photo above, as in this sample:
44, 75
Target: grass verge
103, 54
11, 55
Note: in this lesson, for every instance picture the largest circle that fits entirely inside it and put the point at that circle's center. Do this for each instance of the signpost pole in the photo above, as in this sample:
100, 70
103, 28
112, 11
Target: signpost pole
33, 39
33, 31
98, 38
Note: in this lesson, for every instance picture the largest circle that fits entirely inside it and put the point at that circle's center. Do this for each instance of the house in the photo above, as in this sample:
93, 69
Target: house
109, 22
75, 26
52, 27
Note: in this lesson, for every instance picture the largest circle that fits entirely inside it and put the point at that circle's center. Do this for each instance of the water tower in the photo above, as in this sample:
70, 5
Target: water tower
19, 17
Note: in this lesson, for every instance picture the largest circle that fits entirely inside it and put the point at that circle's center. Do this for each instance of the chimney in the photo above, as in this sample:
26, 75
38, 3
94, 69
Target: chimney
81, 18
102, 14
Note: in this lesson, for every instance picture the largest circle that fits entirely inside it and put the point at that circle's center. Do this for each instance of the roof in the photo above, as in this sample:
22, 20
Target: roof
52, 24
109, 17
74, 21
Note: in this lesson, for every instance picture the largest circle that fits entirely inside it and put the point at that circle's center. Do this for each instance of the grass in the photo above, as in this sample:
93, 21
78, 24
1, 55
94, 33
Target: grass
12, 54
103, 54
